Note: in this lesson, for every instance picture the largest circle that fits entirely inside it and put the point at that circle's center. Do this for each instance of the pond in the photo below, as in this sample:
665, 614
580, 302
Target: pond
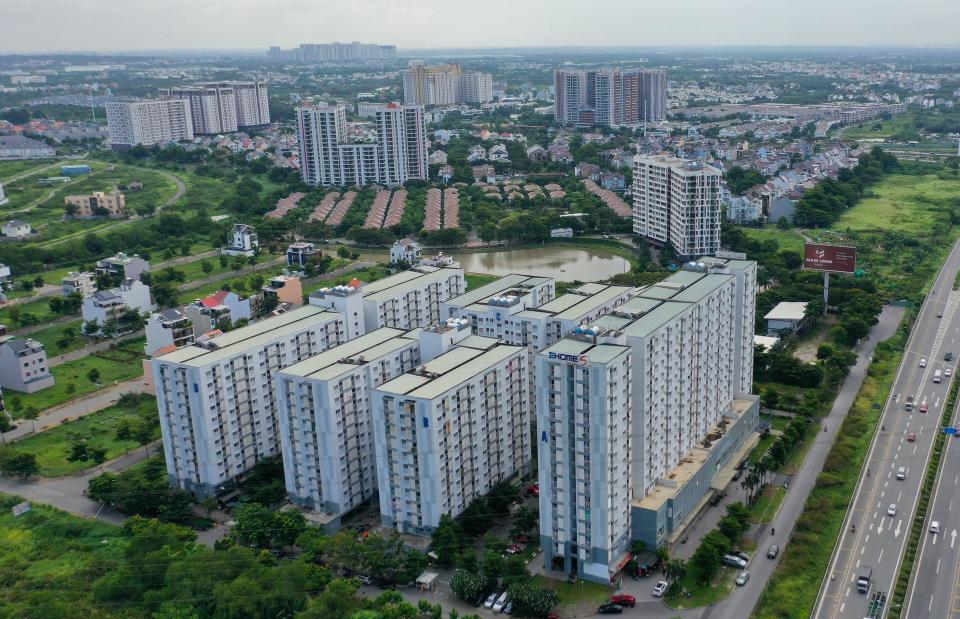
561, 263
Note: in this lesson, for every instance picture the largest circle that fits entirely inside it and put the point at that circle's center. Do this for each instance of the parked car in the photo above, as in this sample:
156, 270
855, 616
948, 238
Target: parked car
500, 603
610, 609
508, 609
513, 549
741, 554
623, 600
742, 578
948, 356
734, 561
659, 589
365, 579
534, 490
716, 500
773, 551
491, 600
521, 539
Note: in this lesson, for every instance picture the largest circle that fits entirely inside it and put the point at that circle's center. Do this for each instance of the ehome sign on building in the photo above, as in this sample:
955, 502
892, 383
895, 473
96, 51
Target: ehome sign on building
833, 258
559, 356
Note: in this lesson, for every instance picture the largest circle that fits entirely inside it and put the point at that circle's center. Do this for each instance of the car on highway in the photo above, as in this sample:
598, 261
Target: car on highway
902, 473
935, 527
923, 362
623, 600
659, 589
924, 407
912, 437
892, 510
610, 609
948, 372
948, 356
773, 551
742, 578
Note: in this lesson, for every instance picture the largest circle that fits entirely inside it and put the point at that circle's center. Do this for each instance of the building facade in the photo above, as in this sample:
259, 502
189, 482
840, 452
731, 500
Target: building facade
110, 307
98, 204
679, 202
122, 266
490, 307
445, 85
217, 400
24, 366
83, 283
609, 97
148, 122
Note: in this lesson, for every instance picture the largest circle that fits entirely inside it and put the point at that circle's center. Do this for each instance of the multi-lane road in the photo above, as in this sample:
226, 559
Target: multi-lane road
901, 448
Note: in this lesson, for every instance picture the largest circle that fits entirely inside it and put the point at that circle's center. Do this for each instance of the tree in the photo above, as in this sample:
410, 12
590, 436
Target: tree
531, 601
31, 413
206, 267
708, 561
525, 520
287, 527
675, 570
254, 525
338, 600
448, 539
467, 586
21, 465
93, 376
144, 432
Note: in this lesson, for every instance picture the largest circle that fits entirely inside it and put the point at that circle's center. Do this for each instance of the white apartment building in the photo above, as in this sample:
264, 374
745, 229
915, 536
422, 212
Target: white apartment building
448, 431
327, 158
692, 418
584, 422
224, 107
445, 85
84, 283
148, 122
679, 202
476, 88
251, 100
490, 307
109, 306
217, 400
326, 429
23, 365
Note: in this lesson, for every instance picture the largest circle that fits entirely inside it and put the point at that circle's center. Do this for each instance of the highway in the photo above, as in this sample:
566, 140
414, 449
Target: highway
871, 537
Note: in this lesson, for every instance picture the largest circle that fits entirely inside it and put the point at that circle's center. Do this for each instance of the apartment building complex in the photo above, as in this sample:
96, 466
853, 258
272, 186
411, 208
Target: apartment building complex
328, 158
677, 202
446, 432
223, 107
326, 425
689, 419
609, 97
98, 204
323, 53
148, 122
217, 399
490, 308
445, 84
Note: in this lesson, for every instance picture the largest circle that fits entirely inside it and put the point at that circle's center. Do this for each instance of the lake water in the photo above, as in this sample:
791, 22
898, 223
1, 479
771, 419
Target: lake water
563, 264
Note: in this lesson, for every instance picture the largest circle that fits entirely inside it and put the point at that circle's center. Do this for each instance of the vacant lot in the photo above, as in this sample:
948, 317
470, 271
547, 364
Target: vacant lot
789, 240
910, 204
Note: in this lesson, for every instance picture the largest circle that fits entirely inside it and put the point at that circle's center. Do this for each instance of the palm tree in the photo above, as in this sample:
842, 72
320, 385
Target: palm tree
675, 570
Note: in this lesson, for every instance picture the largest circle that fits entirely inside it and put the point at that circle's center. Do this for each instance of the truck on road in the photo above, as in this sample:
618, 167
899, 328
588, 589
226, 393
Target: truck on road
863, 578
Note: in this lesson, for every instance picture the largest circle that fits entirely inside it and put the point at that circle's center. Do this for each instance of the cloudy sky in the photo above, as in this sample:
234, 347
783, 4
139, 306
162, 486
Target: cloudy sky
112, 25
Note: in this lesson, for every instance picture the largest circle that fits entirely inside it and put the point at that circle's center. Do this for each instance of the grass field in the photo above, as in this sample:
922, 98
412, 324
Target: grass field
789, 240
51, 335
581, 592
911, 204
50, 559
115, 366
697, 594
98, 430
880, 129
767, 505
9, 169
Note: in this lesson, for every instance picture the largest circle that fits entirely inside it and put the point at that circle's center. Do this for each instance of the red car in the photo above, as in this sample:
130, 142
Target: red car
513, 549
623, 600
534, 490
911, 437
923, 407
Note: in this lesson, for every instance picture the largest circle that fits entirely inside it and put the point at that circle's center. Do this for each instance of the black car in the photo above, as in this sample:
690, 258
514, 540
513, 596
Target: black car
948, 356
610, 609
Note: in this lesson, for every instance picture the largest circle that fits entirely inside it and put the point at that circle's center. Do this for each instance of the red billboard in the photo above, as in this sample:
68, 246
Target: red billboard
834, 258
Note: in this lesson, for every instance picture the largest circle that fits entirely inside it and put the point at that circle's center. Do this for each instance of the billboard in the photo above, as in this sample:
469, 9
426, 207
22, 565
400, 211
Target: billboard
833, 258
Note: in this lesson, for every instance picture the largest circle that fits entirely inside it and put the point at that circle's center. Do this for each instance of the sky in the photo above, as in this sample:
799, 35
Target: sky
129, 25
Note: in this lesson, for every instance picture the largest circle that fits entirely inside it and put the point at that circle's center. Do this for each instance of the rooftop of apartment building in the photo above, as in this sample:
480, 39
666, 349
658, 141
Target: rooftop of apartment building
405, 281
498, 288
683, 166
258, 334
577, 302
348, 356
472, 356
595, 353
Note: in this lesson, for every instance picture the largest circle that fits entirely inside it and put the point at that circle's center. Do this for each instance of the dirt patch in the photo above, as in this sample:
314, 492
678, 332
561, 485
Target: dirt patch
806, 349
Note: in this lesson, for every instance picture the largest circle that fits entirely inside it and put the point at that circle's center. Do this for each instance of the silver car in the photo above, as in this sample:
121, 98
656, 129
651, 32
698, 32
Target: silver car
742, 578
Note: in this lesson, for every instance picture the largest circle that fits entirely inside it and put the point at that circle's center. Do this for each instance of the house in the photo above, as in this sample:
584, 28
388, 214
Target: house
110, 306
299, 255
169, 327
538, 153
587, 170
406, 251
786, 316
23, 365
437, 157
3, 198
285, 289
243, 241
16, 229
20, 147
96, 204
741, 210
216, 310
613, 181
83, 283
122, 266
445, 174
561, 233
484, 173
476, 153
5, 273
498, 152
560, 152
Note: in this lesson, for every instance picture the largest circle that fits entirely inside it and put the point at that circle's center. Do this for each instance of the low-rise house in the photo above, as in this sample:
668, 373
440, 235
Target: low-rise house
484, 173
285, 289
112, 306
561, 233
97, 204
17, 229
743, 210
613, 181
20, 147
83, 283
217, 311
23, 365
587, 170
122, 266
785, 317
437, 157
243, 241
476, 153
538, 153
498, 152
299, 255
405, 250
168, 327
445, 174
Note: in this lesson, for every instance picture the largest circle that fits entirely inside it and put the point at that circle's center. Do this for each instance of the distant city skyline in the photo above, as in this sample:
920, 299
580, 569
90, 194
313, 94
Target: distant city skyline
135, 25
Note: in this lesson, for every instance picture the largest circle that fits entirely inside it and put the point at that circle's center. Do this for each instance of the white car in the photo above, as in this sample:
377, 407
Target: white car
935, 527
948, 372
491, 600
902, 473
892, 510
500, 603
659, 589
923, 362
742, 578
